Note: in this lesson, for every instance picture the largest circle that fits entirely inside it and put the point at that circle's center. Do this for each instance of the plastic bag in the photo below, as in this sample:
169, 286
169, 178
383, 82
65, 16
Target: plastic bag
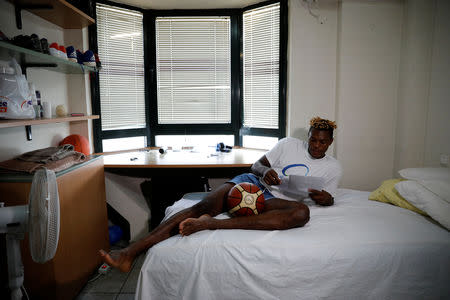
15, 100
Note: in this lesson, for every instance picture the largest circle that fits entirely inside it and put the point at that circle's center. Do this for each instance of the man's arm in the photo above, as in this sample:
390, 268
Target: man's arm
325, 196
262, 168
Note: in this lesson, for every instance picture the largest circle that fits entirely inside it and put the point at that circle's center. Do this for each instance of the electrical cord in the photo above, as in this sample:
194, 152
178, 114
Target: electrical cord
25, 292
95, 278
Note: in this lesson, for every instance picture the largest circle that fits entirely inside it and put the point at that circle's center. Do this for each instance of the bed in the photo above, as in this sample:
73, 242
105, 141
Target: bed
355, 249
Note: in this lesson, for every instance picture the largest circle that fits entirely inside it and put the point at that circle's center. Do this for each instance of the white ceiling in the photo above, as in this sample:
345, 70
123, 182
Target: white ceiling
188, 4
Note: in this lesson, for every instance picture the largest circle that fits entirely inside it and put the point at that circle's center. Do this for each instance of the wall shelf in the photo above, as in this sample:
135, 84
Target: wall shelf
32, 59
29, 122
58, 12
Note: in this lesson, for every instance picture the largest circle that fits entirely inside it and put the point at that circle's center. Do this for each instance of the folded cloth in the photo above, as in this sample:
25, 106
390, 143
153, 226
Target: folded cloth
47, 154
54, 165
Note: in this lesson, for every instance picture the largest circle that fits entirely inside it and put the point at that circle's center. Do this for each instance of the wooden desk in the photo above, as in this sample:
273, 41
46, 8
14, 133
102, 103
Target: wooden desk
211, 164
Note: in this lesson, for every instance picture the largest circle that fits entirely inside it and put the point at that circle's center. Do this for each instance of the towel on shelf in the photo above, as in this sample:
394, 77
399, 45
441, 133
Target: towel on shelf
47, 154
58, 162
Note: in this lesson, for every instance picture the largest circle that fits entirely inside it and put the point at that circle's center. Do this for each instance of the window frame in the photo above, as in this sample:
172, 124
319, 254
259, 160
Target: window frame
236, 33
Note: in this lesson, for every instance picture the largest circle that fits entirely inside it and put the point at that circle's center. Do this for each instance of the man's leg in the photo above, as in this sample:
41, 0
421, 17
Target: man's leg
278, 215
212, 205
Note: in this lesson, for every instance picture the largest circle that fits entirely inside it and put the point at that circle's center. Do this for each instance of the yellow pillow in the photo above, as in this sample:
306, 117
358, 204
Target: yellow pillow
388, 194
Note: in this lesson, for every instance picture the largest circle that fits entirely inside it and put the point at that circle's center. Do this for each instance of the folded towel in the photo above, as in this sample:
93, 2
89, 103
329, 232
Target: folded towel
47, 154
55, 165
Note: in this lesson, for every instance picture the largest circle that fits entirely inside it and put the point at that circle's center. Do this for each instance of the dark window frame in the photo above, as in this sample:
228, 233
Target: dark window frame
153, 128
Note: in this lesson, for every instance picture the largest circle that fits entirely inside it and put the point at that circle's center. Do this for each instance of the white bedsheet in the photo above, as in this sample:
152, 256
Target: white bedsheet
355, 249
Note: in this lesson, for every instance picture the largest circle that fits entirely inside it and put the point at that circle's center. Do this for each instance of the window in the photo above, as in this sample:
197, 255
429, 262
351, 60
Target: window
121, 79
193, 70
261, 30
181, 75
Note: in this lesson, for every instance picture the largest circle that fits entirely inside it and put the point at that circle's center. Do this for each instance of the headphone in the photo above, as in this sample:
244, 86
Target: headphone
221, 147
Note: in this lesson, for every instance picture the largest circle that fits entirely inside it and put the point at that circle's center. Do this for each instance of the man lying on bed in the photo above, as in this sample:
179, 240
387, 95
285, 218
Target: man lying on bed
280, 212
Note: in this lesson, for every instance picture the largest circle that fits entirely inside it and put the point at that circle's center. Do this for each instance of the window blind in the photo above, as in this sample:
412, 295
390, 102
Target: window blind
193, 70
120, 47
261, 52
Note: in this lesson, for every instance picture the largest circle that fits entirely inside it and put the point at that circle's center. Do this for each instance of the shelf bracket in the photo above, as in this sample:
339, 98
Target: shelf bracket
28, 131
18, 10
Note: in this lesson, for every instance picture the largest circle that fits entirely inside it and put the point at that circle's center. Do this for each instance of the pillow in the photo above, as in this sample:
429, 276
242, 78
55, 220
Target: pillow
387, 193
433, 205
438, 187
426, 174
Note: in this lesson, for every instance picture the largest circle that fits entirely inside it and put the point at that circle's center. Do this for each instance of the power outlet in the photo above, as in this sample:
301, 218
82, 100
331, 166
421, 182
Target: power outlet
445, 158
103, 269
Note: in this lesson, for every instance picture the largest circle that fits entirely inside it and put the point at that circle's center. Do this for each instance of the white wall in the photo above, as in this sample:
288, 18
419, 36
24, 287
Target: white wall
437, 138
390, 89
57, 88
415, 67
368, 73
311, 66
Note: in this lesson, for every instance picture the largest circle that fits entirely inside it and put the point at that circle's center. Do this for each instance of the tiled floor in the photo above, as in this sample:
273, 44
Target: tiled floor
115, 285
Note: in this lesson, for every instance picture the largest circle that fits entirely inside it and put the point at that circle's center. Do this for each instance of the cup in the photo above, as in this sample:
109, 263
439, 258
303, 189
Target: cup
47, 107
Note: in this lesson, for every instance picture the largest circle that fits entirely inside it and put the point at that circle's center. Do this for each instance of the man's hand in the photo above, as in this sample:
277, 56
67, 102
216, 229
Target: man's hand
321, 197
271, 177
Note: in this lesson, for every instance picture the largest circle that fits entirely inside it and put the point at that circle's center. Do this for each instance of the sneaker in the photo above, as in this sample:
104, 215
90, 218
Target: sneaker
89, 59
79, 57
44, 46
98, 63
54, 49
35, 43
71, 54
23, 41
62, 52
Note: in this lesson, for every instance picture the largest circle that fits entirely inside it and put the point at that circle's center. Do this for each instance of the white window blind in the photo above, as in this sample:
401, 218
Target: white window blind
261, 38
193, 70
120, 47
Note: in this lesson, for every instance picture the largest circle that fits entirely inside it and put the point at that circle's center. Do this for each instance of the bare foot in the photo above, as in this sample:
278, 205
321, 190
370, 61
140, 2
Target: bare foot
191, 225
120, 259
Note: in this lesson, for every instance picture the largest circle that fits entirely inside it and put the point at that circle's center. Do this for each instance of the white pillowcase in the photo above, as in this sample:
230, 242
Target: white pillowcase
422, 198
438, 187
442, 174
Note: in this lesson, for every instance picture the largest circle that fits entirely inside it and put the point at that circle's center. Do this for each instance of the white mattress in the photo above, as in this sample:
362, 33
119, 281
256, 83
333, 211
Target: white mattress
355, 249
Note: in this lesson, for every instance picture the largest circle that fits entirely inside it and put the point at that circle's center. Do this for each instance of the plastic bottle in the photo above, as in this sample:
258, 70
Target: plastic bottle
32, 91
32, 95
38, 100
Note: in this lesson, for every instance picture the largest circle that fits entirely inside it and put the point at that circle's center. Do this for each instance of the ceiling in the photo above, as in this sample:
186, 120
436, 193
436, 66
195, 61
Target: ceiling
188, 4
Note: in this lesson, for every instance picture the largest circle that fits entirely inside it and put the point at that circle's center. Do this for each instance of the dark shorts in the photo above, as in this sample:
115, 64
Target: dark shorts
249, 177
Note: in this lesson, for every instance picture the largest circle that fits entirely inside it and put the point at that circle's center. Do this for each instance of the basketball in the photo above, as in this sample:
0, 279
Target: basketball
79, 142
245, 199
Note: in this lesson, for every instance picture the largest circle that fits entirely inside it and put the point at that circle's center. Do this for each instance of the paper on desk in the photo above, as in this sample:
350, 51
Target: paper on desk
296, 185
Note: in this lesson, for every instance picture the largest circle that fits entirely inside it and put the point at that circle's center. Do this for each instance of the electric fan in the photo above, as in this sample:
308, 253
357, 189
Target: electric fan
40, 218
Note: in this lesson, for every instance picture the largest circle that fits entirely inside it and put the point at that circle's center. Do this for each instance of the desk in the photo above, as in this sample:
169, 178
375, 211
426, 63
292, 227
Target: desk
211, 164
175, 173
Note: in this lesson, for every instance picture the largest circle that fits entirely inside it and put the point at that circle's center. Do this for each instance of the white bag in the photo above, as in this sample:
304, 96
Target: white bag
15, 100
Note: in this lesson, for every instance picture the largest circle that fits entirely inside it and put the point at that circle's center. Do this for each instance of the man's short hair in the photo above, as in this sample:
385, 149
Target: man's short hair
322, 124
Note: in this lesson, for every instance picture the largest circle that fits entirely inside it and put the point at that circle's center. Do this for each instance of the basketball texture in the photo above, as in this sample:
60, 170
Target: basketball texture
79, 142
245, 199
